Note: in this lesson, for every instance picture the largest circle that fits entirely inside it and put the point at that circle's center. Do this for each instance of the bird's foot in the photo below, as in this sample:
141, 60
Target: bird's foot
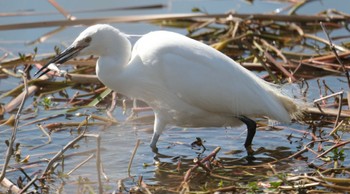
154, 149
158, 155
249, 150
250, 153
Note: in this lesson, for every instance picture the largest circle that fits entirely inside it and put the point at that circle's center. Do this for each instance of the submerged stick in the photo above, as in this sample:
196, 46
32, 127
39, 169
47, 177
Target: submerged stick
132, 156
47, 135
335, 129
98, 160
80, 164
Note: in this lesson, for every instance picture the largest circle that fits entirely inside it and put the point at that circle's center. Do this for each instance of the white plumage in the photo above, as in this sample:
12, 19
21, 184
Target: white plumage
186, 82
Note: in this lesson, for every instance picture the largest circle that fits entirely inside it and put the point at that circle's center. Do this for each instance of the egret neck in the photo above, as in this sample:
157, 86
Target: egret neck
113, 58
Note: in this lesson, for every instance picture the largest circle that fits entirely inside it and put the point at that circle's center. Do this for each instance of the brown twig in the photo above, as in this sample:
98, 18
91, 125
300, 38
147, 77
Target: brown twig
333, 147
199, 163
339, 110
211, 155
327, 57
279, 66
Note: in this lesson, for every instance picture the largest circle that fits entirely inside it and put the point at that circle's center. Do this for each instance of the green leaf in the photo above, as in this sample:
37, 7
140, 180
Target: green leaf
275, 184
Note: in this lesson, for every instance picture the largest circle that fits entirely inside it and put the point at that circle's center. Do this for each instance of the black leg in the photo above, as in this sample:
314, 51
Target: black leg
251, 126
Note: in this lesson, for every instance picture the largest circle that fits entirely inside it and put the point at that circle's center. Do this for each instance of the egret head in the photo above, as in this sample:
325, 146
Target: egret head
100, 40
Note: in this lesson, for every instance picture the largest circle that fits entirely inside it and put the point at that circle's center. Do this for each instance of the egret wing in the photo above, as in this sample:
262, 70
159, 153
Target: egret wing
205, 78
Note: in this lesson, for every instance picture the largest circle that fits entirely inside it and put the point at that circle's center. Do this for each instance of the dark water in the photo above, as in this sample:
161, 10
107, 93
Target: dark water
118, 141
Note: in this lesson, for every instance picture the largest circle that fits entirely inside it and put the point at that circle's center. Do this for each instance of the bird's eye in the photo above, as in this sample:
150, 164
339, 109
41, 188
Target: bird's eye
88, 39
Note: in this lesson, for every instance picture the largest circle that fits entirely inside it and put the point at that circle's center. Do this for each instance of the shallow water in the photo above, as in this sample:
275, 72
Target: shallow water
118, 141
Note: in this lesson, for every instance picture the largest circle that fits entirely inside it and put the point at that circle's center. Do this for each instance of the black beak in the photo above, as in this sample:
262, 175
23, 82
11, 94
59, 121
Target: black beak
64, 56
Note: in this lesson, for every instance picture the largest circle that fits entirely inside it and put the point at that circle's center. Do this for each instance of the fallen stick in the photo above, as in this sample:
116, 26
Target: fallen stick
328, 112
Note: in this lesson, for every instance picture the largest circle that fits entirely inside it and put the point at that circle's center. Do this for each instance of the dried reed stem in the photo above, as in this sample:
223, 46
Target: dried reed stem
333, 47
81, 164
328, 96
9, 151
157, 17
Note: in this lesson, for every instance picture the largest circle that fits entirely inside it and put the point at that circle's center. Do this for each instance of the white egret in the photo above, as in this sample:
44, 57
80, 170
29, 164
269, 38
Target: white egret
187, 83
